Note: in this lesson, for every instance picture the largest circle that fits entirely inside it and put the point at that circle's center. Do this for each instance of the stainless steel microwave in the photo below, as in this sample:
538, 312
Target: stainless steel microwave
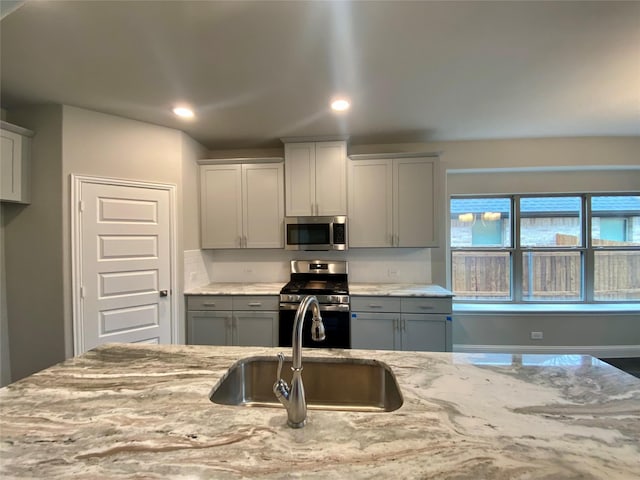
315, 233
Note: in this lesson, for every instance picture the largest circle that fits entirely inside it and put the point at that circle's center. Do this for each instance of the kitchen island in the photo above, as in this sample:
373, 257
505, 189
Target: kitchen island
143, 411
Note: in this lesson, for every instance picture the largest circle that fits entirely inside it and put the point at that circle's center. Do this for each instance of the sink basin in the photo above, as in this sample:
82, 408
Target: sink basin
329, 384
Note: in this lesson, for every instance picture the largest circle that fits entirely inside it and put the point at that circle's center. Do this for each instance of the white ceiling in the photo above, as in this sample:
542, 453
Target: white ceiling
258, 71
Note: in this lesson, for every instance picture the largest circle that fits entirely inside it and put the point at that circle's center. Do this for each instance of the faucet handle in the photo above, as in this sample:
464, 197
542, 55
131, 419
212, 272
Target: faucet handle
280, 387
280, 362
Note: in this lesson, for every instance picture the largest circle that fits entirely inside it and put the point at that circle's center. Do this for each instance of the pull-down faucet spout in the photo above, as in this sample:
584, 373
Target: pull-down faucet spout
293, 398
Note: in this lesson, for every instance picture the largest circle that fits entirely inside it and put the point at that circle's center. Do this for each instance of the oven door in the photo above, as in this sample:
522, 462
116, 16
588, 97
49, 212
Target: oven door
336, 326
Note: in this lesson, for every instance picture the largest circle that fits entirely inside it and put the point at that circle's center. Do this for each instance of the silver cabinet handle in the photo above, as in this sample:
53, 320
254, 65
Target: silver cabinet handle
372, 305
209, 304
255, 304
426, 307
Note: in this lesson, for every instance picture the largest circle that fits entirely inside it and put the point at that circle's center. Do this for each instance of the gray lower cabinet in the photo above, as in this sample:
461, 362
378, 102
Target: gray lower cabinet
399, 323
232, 320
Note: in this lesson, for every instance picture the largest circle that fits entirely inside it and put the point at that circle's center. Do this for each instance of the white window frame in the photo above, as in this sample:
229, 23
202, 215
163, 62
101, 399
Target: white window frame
587, 251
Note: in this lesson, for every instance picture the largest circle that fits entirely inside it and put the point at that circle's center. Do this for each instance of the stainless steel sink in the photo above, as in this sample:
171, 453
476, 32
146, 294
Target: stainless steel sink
329, 384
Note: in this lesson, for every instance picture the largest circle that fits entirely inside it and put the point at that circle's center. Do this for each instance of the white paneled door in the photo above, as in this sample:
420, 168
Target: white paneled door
124, 265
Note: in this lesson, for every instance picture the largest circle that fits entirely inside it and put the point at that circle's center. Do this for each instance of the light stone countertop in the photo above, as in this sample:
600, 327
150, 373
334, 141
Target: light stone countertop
355, 289
143, 411
238, 288
398, 290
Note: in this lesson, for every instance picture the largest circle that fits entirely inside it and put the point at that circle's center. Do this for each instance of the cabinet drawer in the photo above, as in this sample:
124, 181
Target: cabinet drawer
375, 304
256, 302
426, 305
209, 302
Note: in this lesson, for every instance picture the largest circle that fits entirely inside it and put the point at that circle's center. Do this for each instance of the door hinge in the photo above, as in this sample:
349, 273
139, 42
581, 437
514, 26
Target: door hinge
81, 292
81, 206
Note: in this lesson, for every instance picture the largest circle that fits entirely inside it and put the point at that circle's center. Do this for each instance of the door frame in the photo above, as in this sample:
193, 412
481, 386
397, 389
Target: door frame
77, 181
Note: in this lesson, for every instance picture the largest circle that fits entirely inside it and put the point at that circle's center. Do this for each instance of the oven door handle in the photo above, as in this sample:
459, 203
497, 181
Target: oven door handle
323, 308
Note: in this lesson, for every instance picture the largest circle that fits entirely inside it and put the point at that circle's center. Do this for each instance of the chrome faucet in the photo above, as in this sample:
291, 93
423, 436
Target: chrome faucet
293, 398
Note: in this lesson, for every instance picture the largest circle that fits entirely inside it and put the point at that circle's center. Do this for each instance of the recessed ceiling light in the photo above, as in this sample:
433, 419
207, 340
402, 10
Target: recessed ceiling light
183, 112
340, 105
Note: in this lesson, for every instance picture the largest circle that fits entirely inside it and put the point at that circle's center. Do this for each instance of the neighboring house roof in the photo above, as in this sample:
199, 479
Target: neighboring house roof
629, 205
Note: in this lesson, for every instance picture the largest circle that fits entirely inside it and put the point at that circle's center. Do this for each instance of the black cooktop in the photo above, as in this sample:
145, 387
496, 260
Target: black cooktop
317, 286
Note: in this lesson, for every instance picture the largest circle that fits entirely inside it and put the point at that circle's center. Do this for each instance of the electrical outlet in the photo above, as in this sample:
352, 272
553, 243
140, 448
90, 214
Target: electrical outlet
536, 336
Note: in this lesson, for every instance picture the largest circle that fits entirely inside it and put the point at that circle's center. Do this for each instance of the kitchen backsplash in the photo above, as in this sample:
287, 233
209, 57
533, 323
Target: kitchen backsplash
387, 265
195, 269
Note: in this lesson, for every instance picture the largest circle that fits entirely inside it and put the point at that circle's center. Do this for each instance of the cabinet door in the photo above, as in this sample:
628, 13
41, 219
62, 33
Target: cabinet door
299, 170
424, 333
376, 331
209, 328
263, 205
331, 178
14, 167
255, 329
370, 203
221, 206
414, 202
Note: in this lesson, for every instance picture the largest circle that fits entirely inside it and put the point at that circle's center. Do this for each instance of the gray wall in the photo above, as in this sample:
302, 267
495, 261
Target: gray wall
5, 359
33, 251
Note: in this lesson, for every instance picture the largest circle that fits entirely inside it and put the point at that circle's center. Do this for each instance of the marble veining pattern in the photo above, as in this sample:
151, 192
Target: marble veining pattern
238, 288
397, 290
355, 289
142, 411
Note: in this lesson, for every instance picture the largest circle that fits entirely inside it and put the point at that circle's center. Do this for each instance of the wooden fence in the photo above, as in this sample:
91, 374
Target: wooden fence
546, 275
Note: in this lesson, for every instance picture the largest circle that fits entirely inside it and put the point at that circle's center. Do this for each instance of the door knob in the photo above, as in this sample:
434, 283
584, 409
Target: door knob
164, 293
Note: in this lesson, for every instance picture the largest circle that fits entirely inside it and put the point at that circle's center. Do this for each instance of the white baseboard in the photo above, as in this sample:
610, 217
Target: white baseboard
600, 351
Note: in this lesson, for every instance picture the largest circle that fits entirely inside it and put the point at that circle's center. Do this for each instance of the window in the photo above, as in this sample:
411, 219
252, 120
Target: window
615, 236
546, 248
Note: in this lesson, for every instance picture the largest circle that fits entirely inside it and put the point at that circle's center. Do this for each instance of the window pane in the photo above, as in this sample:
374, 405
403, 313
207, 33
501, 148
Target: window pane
481, 275
481, 222
617, 275
550, 221
615, 220
551, 276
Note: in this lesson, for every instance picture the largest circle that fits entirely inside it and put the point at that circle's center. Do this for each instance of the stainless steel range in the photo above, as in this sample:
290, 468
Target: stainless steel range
328, 282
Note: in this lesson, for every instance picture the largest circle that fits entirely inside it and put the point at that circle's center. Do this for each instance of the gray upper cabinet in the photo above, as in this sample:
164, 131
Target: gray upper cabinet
242, 205
316, 178
392, 201
15, 163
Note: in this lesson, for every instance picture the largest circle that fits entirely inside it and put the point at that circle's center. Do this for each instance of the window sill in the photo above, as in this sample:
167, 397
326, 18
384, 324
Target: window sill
546, 308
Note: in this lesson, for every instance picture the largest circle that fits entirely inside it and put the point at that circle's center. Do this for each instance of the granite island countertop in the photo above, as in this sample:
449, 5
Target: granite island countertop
143, 411
355, 289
